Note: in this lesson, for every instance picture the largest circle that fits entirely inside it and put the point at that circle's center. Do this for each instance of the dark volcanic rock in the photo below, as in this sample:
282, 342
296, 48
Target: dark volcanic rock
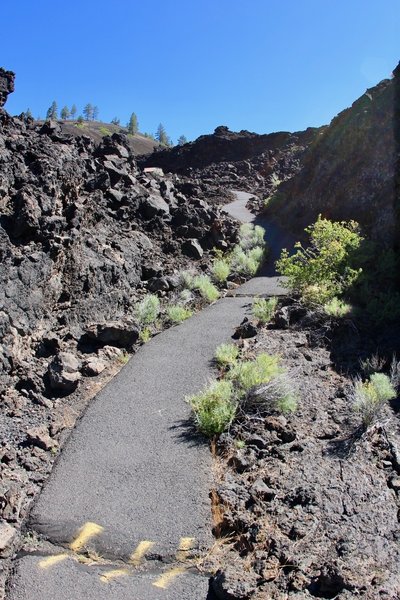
63, 372
349, 171
6, 85
120, 334
222, 146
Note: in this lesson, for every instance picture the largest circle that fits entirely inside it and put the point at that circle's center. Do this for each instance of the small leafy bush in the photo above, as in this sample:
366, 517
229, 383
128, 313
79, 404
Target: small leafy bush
249, 373
177, 314
328, 267
207, 289
370, 396
276, 395
221, 270
226, 355
251, 236
337, 308
263, 309
214, 408
147, 310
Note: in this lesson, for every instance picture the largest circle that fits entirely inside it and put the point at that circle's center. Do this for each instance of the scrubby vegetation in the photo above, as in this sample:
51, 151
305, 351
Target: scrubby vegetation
278, 394
263, 309
370, 396
177, 313
147, 310
207, 289
337, 308
221, 270
328, 267
260, 384
249, 373
226, 355
214, 408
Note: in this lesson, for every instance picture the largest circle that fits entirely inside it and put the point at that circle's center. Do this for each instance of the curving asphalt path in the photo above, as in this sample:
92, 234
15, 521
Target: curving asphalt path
132, 484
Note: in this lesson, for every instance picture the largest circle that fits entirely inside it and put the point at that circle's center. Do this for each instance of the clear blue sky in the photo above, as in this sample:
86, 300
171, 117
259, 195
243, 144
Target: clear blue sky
261, 65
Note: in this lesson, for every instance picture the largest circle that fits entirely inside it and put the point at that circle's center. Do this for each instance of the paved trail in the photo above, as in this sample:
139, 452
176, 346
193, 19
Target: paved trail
132, 483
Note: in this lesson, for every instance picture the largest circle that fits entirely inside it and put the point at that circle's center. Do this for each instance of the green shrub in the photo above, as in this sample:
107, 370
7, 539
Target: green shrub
276, 395
214, 408
226, 355
145, 335
370, 396
251, 236
242, 263
207, 289
327, 268
337, 308
185, 296
249, 373
187, 279
221, 270
177, 313
105, 131
264, 310
147, 310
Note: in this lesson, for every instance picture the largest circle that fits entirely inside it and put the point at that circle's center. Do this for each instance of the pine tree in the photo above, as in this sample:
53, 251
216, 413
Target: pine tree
52, 112
115, 121
73, 111
80, 119
133, 124
28, 114
95, 113
182, 140
88, 111
161, 135
65, 114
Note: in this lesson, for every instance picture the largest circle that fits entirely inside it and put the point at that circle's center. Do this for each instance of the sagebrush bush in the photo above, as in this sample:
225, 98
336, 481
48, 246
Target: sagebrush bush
187, 279
242, 263
370, 396
147, 310
251, 236
337, 308
226, 355
249, 373
221, 270
264, 309
279, 394
328, 267
207, 289
145, 335
214, 408
177, 313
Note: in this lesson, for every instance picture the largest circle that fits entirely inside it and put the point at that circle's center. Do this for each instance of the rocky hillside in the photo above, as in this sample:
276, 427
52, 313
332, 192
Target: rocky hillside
84, 235
349, 170
96, 130
249, 161
344, 171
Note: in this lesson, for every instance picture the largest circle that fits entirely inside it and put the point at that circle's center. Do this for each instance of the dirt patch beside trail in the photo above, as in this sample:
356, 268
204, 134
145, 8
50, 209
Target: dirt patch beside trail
309, 503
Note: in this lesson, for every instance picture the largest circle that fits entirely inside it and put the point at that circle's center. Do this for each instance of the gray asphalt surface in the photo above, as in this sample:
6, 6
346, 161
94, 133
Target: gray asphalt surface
133, 465
70, 580
133, 475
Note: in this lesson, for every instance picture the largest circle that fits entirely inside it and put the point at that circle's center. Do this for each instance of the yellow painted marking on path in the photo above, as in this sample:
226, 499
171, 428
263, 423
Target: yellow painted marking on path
185, 544
114, 574
167, 578
88, 531
48, 562
140, 551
